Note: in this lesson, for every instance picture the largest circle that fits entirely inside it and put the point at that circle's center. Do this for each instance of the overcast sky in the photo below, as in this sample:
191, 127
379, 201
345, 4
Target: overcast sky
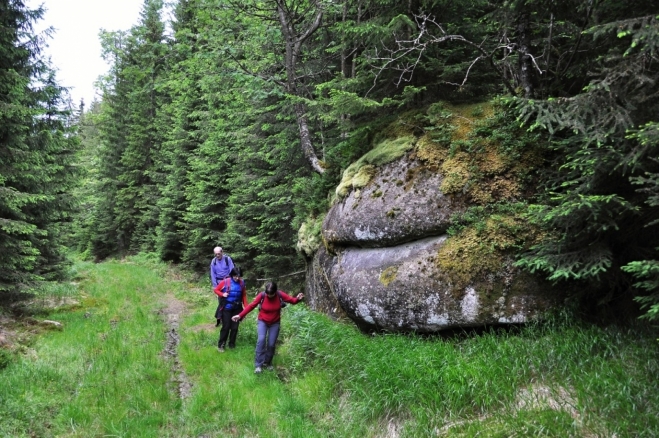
75, 49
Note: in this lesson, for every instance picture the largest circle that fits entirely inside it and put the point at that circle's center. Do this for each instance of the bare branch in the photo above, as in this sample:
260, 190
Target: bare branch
535, 63
420, 44
464, 81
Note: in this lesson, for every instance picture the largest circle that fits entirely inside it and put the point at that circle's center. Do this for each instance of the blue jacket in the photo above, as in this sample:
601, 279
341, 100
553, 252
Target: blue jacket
236, 291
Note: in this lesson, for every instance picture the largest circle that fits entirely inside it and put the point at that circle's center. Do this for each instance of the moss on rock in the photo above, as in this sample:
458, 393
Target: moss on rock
360, 173
484, 160
309, 236
481, 249
477, 165
388, 275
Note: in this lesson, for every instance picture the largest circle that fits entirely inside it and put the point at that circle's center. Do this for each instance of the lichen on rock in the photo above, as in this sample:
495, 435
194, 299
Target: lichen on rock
388, 275
309, 237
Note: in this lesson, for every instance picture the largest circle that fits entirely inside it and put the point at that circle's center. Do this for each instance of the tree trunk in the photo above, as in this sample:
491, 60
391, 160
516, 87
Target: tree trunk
305, 138
294, 42
524, 63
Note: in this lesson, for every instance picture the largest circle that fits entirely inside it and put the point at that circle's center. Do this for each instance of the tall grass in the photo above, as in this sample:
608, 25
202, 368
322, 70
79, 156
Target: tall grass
104, 374
559, 378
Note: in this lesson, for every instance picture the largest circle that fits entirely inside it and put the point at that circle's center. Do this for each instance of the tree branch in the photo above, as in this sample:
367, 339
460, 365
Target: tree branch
421, 42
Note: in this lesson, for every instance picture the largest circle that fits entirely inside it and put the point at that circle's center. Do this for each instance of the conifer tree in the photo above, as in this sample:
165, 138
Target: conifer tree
138, 192
598, 222
126, 216
105, 237
182, 117
37, 153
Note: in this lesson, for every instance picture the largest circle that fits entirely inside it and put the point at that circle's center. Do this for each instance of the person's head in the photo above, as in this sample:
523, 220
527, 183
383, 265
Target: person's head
271, 289
218, 252
235, 272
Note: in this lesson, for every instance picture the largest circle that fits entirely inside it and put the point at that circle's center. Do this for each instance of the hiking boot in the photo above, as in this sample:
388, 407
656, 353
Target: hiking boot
220, 349
269, 368
232, 346
257, 370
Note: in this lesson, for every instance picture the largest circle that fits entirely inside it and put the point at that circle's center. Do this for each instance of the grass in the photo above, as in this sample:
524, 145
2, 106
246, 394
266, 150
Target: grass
579, 380
105, 374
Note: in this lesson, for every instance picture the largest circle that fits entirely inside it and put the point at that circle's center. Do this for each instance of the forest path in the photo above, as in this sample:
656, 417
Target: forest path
173, 313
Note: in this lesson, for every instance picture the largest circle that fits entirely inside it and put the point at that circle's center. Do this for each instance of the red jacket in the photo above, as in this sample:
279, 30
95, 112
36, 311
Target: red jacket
226, 284
271, 308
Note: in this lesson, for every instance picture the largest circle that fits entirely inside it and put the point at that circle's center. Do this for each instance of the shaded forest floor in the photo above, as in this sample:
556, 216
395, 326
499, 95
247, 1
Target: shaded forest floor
129, 349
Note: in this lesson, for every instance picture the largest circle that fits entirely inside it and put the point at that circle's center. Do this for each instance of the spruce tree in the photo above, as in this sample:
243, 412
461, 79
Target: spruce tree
105, 237
37, 154
600, 224
181, 120
138, 192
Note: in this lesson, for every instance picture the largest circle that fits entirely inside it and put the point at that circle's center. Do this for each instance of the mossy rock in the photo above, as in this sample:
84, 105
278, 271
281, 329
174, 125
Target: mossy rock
309, 236
388, 261
400, 289
401, 203
361, 172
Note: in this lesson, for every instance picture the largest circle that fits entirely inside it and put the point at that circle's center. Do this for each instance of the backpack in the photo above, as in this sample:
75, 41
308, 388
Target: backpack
282, 303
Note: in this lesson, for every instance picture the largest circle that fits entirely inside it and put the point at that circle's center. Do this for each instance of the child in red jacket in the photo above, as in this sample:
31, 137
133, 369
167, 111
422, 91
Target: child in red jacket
267, 322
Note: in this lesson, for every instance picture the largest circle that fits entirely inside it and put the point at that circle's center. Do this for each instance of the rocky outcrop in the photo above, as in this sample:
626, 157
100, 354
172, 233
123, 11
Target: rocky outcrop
402, 203
379, 265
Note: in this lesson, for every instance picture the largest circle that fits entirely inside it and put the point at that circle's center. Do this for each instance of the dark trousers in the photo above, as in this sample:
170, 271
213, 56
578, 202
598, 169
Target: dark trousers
218, 311
229, 327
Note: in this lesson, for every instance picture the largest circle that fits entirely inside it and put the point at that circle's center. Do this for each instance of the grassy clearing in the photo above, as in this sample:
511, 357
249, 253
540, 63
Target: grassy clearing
104, 374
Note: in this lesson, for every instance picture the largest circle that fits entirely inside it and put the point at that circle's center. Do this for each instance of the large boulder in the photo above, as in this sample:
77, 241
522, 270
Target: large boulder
380, 264
403, 202
399, 289
383, 255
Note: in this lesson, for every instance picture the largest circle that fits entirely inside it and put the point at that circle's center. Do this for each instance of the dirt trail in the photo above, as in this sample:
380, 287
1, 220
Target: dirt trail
173, 312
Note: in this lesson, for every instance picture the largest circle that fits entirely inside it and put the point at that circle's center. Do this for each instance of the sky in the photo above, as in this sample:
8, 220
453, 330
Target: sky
75, 49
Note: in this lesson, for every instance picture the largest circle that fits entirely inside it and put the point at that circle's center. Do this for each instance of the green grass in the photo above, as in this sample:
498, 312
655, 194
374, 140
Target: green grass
601, 381
105, 374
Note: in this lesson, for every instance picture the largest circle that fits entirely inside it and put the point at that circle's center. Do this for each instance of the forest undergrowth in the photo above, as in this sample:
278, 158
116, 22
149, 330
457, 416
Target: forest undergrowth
111, 369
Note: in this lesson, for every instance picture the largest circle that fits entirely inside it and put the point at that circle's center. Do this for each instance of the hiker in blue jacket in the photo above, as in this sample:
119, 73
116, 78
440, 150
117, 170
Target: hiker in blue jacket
233, 298
221, 266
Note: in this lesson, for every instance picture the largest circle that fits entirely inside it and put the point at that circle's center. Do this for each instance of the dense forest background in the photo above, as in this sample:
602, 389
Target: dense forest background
232, 123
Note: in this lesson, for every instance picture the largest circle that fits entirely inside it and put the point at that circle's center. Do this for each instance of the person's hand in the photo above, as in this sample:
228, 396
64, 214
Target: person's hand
300, 296
235, 318
225, 294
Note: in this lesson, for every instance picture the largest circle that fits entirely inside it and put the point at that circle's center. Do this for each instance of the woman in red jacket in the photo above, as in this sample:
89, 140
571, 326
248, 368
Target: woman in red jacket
267, 324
